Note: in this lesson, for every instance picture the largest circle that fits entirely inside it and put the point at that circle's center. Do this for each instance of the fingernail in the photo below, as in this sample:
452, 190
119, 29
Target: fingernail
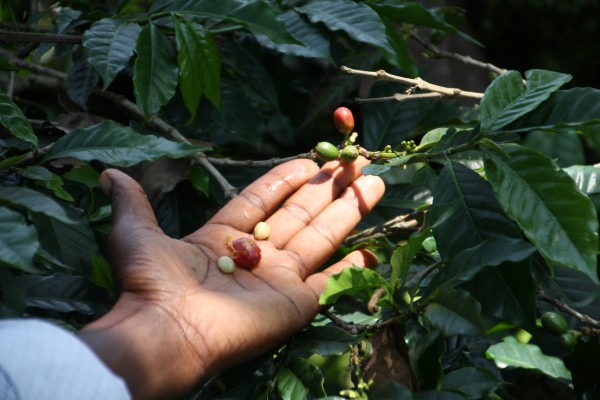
105, 183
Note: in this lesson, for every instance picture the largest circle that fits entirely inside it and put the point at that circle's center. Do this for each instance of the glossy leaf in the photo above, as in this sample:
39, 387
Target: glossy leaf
34, 201
545, 202
289, 386
357, 20
476, 383
514, 354
566, 148
507, 98
508, 293
199, 64
116, 145
325, 340
314, 39
109, 45
350, 280
257, 16
18, 241
587, 179
466, 220
12, 118
310, 376
566, 110
81, 81
403, 256
154, 70
455, 312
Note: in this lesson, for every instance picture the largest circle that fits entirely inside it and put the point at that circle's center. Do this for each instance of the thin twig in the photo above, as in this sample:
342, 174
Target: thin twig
356, 329
400, 97
31, 37
586, 319
437, 53
416, 82
401, 223
228, 162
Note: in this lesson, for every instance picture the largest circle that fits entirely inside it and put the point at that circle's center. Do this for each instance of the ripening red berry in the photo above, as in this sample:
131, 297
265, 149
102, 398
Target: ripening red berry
246, 253
343, 120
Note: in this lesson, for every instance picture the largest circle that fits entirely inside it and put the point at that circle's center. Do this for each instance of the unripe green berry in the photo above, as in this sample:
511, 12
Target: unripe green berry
326, 151
567, 341
554, 323
226, 264
349, 154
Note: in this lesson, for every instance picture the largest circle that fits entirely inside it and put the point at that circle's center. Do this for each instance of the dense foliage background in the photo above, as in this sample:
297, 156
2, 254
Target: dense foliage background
489, 219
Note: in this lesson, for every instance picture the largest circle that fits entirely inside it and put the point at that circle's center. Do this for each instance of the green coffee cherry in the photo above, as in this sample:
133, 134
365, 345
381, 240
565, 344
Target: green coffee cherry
567, 341
554, 323
349, 154
326, 151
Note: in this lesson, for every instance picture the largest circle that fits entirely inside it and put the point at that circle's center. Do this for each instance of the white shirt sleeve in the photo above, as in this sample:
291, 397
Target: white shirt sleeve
39, 360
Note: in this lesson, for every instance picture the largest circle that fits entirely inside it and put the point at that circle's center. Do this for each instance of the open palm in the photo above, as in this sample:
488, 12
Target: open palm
174, 297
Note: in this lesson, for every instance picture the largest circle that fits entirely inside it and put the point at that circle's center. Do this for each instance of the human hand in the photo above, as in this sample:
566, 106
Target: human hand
179, 319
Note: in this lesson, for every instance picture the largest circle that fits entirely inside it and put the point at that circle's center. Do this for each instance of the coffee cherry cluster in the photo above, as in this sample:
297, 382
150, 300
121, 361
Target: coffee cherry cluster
348, 152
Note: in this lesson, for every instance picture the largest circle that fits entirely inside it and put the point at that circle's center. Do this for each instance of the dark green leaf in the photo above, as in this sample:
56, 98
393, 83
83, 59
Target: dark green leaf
34, 201
109, 45
62, 293
514, 354
426, 356
455, 312
314, 39
391, 390
199, 63
415, 13
51, 181
14, 121
154, 70
101, 273
545, 202
18, 241
357, 20
507, 292
567, 110
257, 16
380, 169
508, 99
400, 56
466, 215
325, 340
351, 280
116, 145
476, 383
437, 395
565, 148
404, 255
572, 287
289, 386
81, 81
310, 376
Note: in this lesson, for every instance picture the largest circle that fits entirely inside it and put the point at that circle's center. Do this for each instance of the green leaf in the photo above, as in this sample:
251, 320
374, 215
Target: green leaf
476, 383
466, 215
18, 241
403, 256
507, 99
400, 56
415, 13
257, 16
514, 354
455, 312
51, 181
351, 280
380, 169
507, 292
289, 386
238, 114
81, 81
310, 376
109, 45
117, 145
575, 109
101, 273
426, 358
34, 201
14, 121
357, 20
545, 202
154, 70
564, 147
325, 340
62, 293
391, 390
587, 179
199, 63
315, 42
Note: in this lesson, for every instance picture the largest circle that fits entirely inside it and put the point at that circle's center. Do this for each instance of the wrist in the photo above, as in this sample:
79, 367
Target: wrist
141, 345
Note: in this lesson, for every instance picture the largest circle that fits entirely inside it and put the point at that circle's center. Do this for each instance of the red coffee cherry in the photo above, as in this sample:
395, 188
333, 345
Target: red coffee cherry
343, 120
246, 253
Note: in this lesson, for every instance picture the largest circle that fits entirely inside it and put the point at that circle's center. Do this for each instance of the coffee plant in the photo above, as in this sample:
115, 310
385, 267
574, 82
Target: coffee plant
487, 235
